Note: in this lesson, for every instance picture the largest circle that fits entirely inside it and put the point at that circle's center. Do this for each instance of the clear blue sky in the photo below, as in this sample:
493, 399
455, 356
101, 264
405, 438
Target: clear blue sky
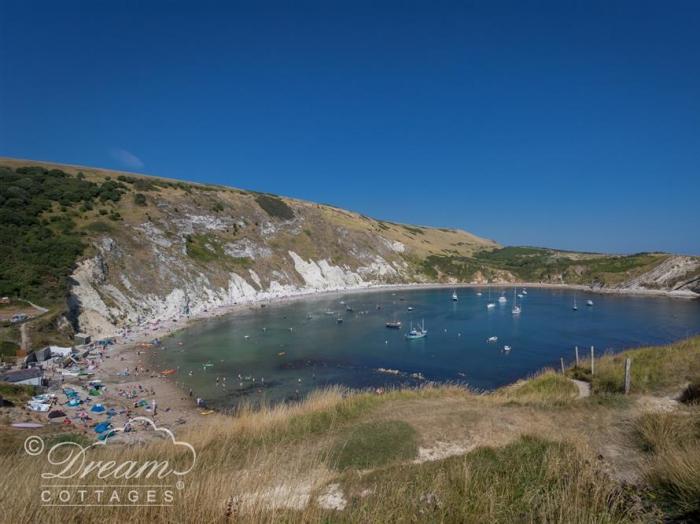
566, 124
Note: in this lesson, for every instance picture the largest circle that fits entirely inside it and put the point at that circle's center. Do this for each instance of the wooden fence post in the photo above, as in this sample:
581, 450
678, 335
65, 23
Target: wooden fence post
592, 360
576, 350
628, 375
561, 359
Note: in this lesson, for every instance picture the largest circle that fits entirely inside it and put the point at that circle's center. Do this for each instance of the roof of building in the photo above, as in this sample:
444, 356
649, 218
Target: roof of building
20, 375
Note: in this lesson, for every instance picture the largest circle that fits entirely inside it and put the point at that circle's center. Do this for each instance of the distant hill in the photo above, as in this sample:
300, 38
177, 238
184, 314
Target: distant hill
104, 248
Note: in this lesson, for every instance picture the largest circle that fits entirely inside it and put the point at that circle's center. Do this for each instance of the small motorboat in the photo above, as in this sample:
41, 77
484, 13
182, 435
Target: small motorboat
506, 349
396, 324
410, 308
492, 339
502, 299
478, 293
348, 309
589, 302
339, 320
490, 305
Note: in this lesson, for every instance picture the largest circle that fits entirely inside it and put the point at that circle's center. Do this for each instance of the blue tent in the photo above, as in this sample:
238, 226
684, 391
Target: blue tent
74, 402
97, 408
102, 427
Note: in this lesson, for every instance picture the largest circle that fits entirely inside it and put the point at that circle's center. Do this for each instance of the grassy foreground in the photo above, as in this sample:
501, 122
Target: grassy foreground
531, 452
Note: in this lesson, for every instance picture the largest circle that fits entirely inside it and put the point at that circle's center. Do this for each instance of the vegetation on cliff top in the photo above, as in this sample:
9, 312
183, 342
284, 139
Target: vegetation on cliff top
37, 229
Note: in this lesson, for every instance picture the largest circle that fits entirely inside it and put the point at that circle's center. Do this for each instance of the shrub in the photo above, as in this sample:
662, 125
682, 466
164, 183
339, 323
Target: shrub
140, 199
275, 207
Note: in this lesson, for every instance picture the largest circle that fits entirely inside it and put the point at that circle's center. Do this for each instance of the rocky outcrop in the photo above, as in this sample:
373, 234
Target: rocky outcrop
677, 273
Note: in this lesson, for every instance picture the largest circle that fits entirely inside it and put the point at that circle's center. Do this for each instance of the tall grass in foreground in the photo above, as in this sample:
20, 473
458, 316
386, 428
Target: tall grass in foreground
672, 468
530, 480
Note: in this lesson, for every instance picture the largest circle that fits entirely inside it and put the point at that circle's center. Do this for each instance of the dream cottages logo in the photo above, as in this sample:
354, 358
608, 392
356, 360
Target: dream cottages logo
77, 475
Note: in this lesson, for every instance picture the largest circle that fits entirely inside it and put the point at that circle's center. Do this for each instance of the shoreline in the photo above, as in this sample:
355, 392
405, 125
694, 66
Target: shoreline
132, 349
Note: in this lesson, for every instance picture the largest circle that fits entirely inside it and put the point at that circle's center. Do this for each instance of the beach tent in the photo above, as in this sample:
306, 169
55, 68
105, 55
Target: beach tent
74, 402
97, 408
70, 393
102, 427
56, 413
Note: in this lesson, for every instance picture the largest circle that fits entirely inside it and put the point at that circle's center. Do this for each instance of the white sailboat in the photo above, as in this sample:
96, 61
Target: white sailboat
490, 304
502, 299
417, 332
454, 295
574, 307
516, 307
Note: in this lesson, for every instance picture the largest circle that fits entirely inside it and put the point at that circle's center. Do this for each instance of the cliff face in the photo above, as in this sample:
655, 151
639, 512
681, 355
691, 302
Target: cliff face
159, 249
182, 251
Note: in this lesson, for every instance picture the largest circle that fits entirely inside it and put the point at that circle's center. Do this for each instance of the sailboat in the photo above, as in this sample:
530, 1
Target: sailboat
454, 295
417, 332
490, 305
502, 299
516, 307
574, 307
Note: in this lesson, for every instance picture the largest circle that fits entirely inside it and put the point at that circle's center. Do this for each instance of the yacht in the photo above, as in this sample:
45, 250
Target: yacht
516, 307
490, 304
417, 332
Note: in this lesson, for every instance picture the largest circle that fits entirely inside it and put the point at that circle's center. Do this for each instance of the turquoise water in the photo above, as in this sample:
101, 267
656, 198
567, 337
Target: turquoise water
317, 351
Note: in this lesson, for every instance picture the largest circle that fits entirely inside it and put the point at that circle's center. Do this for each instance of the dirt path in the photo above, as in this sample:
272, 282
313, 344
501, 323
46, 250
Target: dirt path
584, 388
25, 337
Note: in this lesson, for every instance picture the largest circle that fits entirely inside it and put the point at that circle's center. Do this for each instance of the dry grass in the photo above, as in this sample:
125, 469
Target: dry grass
544, 388
672, 468
655, 369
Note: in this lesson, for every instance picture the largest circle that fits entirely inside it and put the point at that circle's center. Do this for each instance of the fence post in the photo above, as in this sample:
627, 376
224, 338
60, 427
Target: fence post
628, 375
561, 359
592, 360
576, 350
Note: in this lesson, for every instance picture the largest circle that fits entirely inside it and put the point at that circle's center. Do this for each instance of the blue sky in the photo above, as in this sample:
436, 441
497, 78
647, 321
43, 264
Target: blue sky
565, 124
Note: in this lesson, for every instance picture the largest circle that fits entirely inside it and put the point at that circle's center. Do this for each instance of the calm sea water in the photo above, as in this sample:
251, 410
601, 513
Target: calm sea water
281, 353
